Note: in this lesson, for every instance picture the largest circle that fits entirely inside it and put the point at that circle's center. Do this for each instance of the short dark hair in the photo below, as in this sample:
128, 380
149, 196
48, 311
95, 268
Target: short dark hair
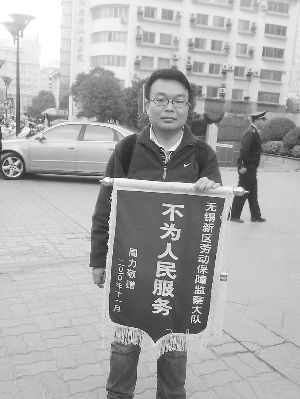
168, 74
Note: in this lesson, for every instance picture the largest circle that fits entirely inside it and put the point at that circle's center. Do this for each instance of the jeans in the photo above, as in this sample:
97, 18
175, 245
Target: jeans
171, 373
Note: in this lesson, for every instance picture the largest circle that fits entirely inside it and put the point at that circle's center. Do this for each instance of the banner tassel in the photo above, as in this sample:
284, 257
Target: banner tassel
173, 342
127, 335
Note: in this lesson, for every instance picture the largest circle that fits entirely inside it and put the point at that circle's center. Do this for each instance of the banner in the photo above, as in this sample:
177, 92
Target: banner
164, 272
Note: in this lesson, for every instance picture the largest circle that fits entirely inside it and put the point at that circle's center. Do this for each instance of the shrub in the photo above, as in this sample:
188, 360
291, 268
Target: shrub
292, 138
284, 152
272, 147
295, 152
276, 128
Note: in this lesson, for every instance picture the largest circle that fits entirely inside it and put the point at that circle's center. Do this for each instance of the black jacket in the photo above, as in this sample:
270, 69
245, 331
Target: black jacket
146, 164
250, 150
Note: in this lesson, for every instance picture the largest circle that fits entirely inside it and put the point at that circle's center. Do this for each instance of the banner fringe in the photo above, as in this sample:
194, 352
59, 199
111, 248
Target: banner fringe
127, 335
173, 342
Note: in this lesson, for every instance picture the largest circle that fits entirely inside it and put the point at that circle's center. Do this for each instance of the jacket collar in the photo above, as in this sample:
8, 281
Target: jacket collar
187, 139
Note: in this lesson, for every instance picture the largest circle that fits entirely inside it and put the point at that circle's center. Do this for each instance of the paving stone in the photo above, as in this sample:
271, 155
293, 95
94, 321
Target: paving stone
220, 377
34, 342
29, 358
63, 341
83, 371
59, 333
19, 330
35, 368
64, 357
88, 384
56, 388
208, 367
242, 368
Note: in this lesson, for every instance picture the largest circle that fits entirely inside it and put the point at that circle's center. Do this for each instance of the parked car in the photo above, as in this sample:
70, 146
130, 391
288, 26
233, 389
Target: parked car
73, 148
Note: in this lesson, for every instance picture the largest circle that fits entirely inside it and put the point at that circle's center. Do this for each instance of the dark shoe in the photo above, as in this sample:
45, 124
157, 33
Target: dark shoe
258, 220
236, 220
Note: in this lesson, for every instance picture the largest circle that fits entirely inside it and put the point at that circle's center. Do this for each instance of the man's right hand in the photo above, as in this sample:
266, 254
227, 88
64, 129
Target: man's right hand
99, 276
242, 170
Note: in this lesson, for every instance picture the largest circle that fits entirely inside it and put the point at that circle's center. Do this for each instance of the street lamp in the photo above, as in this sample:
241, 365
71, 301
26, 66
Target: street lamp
16, 28
7, 81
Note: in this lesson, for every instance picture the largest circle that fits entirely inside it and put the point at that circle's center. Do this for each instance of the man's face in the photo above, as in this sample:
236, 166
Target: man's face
260, 124
167, 118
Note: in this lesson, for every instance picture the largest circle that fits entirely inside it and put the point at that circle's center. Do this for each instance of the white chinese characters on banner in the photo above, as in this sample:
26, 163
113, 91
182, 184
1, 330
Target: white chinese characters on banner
166, 270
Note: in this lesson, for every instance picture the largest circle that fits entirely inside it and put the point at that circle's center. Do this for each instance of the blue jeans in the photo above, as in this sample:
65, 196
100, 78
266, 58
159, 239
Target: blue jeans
171, 373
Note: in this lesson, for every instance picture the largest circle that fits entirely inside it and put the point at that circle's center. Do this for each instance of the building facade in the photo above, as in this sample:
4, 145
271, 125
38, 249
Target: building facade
235, 50
29, 69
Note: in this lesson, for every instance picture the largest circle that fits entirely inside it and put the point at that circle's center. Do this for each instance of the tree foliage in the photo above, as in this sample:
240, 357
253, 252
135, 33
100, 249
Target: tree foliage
45, 99
292, 138
97, 94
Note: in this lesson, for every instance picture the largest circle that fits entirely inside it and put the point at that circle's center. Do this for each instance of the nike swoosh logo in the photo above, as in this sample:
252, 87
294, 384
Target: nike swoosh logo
186, 164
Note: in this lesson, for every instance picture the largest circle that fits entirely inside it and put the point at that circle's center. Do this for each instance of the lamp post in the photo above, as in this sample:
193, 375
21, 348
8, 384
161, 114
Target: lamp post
16, 28
7, 81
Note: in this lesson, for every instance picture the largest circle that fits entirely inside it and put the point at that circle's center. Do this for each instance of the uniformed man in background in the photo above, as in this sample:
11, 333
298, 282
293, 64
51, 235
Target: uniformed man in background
248, 162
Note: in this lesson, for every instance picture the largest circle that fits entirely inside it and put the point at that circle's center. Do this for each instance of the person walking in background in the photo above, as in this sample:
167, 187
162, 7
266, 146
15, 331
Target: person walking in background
164, 151
248, 162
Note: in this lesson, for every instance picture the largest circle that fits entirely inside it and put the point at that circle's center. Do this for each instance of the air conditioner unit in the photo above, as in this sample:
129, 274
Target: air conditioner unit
225, 68
222, 90
190, 43
124, 21
230, 68
175, 56
188, 60
256, 74
138, 59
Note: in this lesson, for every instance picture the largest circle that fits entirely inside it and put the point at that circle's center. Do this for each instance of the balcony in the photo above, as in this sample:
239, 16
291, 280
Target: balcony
173, 45
216, 3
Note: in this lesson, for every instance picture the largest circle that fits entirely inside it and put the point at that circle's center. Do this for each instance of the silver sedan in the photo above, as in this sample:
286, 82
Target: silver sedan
72, 148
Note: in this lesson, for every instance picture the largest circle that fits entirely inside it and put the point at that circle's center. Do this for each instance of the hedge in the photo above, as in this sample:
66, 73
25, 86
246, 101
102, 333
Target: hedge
295, 152
276, 128
292, 138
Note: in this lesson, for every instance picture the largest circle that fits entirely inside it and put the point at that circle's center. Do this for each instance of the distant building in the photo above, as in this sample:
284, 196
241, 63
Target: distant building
49, 80
234, 50
29, 69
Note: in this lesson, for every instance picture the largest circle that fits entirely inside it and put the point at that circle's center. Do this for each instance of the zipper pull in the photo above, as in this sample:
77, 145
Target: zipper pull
165, 173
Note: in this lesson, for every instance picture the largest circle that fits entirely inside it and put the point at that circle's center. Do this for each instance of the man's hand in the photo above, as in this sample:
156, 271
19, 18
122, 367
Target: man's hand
242, 170
205, 184
99, 276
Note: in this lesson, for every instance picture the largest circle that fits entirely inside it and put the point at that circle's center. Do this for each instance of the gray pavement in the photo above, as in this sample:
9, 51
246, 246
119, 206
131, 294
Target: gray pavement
52, 344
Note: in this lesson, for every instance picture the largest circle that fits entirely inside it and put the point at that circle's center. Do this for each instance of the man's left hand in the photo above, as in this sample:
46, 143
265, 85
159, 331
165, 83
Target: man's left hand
204, 184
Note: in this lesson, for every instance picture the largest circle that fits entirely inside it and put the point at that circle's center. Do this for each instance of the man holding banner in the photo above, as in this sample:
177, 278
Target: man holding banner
165, 151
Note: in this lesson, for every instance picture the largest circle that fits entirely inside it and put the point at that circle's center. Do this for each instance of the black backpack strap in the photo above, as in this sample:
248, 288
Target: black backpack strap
200, 154
126, 150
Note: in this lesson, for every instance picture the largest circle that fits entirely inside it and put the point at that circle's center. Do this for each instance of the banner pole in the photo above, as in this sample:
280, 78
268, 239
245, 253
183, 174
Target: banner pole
187, 188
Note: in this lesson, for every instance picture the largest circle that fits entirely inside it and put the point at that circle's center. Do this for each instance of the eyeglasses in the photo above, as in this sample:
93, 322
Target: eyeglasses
163, 102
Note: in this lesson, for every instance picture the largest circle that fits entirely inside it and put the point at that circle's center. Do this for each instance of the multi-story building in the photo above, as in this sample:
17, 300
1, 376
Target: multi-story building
29, 69
49, 80
238, 50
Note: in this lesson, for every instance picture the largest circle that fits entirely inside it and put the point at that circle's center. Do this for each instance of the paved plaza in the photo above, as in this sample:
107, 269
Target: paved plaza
52, 344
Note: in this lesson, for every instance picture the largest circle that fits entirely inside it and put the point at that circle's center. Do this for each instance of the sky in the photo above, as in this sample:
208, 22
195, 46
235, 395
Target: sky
46, 24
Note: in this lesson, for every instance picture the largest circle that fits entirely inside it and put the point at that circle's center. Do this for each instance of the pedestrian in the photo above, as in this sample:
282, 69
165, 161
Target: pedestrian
248, 162
164, 151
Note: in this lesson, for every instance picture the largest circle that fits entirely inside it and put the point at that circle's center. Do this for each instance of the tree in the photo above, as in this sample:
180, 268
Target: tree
45, 99
97, 94
276, 128
132, 106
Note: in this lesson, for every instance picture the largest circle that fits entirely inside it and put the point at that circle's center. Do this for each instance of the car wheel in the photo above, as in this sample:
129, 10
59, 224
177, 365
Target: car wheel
12, 166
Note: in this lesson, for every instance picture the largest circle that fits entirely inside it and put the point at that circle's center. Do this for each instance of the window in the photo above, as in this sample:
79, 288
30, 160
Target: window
106, 36
278, 7
165, 39
167, 14
150, 12
278, 30
107, 11
273, 52
200, 43
63, 133
108, 60
212, 91
267, 97
218, 22
99, 133
216, 45
214, 69
246, 3
202, 19
239, 71
271, 75
163, 63
241, 49
237, 94
149, 37
244, 25
198, 66
147, 62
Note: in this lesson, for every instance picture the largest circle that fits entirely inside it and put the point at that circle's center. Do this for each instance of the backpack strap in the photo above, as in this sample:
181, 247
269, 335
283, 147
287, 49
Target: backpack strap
200, 154
125, 151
